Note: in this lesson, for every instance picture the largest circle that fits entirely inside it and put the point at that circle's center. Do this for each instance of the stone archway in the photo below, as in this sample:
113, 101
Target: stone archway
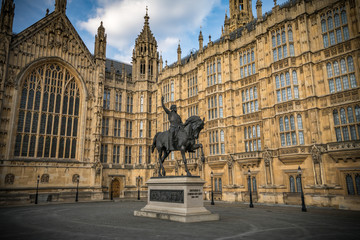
115, 188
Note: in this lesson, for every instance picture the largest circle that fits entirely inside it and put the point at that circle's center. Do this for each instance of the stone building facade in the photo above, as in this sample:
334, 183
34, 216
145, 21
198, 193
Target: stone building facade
277, 92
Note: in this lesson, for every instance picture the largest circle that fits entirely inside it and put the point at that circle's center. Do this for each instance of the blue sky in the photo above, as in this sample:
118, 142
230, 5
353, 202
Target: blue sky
170, 21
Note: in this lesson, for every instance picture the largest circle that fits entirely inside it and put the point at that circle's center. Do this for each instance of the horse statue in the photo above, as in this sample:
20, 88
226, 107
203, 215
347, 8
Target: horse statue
185, 137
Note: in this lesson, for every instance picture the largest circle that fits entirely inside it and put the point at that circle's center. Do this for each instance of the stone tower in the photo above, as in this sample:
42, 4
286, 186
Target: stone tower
145, 56
240, 13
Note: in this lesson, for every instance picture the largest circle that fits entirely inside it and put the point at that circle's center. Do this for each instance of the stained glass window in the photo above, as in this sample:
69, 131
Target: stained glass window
40, 117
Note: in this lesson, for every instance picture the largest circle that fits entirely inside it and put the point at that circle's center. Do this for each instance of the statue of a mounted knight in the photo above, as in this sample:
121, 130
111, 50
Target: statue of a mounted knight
180, 137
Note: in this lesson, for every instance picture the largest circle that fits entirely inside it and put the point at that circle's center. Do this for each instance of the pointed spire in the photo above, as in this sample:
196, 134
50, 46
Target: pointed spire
179, 53
146, 17
259, 10
60, 6
7, 16
201, 40
100, 42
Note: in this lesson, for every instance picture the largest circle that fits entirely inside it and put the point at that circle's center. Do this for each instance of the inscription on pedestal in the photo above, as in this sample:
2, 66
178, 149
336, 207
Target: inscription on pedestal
195, 193
172, 196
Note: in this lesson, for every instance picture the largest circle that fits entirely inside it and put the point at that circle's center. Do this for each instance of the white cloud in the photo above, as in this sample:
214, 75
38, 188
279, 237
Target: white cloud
169, 22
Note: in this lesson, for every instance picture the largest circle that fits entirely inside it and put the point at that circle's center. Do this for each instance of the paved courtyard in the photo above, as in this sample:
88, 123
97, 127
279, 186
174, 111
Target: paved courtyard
115, 220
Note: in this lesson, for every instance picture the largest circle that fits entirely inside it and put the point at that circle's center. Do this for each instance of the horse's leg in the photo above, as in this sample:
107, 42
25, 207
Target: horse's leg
184, 160
166, 153
197, 146
160, 161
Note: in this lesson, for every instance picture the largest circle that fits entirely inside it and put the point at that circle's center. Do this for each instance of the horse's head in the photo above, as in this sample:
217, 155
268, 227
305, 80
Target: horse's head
196, 125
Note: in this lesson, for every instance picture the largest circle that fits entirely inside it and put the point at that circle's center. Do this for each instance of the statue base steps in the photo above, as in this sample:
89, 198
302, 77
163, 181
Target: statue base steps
176, 199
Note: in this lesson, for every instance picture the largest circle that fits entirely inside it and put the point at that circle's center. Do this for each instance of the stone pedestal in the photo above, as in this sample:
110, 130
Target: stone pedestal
176, 199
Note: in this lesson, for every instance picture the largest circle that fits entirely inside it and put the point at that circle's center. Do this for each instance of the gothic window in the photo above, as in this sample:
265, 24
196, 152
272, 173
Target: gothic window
172, 93
149, 104
214, 142
166, 91
347, 124
128, 129
249, 98
117, 127
116, 154
286, 86
333, 30
127, 155
282, 41
141, 103
288, 134
292, 184
142, 67
48, 115
9, 178
106, 100
129, 104
254, 184
140, 155
215, 106
44, 178
149, 129
344, 75
247, 64
141, 129
118, 98
298, 183
222, 141
192, 85
212, 74
105, 127
350, 184
103, 153
149, 155
193, 110
252, 138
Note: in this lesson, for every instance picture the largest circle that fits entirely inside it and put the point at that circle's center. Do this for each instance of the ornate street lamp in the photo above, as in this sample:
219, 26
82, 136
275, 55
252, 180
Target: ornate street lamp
251, 203
212, 188
303, 207
37, 190
138, 183
77, 188
111, 189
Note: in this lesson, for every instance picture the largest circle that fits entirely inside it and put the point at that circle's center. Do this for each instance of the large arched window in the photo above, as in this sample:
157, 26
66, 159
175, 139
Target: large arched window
48, 114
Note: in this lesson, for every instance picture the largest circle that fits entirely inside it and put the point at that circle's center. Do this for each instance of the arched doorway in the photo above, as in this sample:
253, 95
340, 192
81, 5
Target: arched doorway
115, 188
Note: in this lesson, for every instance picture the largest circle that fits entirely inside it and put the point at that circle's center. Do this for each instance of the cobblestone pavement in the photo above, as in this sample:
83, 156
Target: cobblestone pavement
115, 220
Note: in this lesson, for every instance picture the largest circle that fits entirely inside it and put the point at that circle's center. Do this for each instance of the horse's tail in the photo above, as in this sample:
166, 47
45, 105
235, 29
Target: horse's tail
154, 142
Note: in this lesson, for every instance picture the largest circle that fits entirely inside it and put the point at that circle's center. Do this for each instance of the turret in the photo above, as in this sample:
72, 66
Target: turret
7, 16
201, 41
145, 56
160, 63
240, 13
60, 6
100, 43
259, 10
179, 54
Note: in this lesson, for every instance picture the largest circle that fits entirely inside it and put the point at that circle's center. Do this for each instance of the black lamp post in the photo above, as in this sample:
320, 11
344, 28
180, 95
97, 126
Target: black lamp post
212, 188
138, 183
77, 188
251, 203
303, 207
111, 189
37, 190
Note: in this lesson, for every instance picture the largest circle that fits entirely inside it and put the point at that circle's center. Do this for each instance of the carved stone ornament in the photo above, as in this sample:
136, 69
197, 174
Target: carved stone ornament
267, 156
11, 79
316, 154
9, 178
98, 166
230, 162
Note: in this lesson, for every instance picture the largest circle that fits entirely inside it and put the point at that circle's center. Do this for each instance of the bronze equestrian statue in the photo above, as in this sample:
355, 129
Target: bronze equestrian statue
180, 137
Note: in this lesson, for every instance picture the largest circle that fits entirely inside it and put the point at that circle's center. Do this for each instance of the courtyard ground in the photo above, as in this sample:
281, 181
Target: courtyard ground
115, 220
